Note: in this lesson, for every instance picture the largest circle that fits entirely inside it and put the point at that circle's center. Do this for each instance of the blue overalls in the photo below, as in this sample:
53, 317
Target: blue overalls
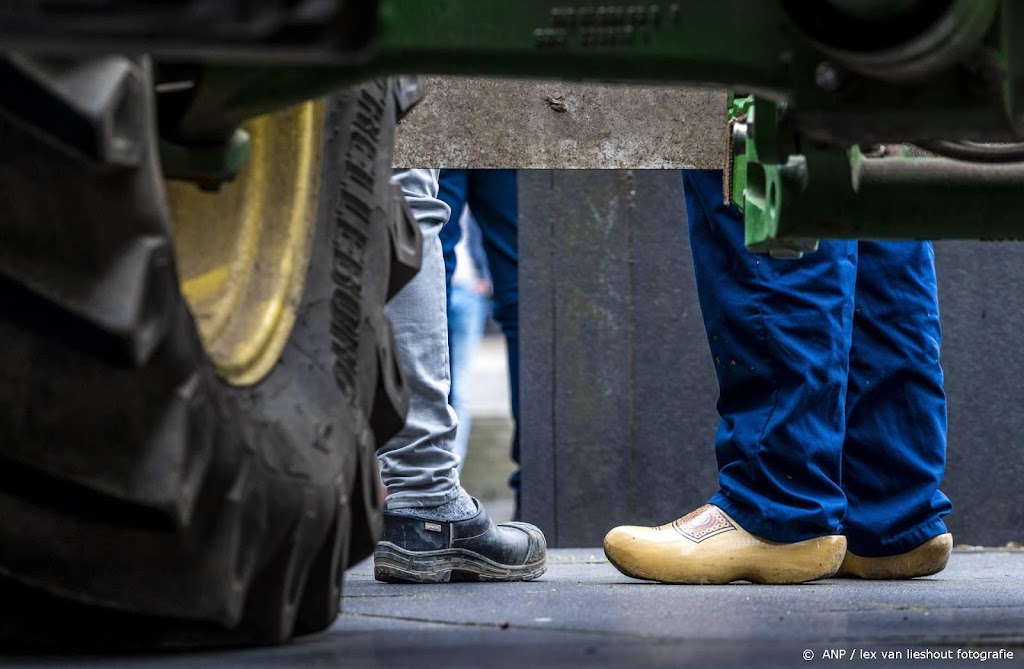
833, 415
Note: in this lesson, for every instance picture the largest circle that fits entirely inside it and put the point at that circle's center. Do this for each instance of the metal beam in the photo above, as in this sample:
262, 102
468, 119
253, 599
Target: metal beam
491, 123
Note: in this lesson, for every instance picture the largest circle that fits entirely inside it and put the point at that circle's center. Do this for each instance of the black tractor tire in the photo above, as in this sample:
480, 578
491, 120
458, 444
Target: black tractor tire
144, 502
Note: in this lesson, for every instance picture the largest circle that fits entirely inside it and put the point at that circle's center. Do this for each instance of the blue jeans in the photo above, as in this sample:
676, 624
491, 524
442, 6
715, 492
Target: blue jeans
417, 465
833, 414
493, 197
467, 314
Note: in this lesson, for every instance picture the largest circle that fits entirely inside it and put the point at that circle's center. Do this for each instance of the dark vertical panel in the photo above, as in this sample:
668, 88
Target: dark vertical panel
981, 299
612, 341
675, 383
536, 350
593, 347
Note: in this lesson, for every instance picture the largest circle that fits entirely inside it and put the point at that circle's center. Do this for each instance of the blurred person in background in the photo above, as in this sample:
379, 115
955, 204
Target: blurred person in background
469, 298
493, 196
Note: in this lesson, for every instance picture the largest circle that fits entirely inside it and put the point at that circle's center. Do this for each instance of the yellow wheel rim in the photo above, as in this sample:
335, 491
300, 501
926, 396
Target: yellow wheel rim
243, 252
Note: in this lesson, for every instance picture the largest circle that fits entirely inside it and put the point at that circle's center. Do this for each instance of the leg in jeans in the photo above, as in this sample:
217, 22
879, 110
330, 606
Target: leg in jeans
467, 309
467, 313
493, 197
434, 532
417, 465
453, 188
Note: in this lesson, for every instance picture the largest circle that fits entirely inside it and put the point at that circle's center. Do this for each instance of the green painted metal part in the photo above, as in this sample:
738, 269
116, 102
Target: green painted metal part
795, 168
761, 148
209, 166
610, 41
791, 200
651, 42
843, 194
741, 44
655, 41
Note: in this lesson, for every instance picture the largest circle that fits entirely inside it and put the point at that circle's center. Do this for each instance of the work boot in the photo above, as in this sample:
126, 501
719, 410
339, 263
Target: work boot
421, 549
708, 547
927, 559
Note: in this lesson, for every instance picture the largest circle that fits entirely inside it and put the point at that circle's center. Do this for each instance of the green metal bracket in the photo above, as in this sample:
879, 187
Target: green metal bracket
829, 192
836, 194
211, 165
760, 149
739, 147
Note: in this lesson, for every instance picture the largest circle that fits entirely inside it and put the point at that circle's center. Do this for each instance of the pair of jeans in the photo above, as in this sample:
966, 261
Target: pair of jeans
418, 466
833, 414
467, 314
493, 198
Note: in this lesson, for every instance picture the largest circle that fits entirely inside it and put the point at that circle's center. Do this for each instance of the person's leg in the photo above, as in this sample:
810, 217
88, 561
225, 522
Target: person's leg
895, 450
452, 190
466, 317
418, 467
779, 333
494, 200
452, 186
433, 530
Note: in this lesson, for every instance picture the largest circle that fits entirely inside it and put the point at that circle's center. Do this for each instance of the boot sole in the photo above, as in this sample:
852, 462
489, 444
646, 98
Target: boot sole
393, 564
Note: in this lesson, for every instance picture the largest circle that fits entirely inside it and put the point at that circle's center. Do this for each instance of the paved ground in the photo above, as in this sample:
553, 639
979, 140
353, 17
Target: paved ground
583, 612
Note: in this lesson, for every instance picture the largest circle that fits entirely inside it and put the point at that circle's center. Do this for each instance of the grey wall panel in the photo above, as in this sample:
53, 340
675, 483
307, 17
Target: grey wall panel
613, 347
674, 385
981, 300
537, 371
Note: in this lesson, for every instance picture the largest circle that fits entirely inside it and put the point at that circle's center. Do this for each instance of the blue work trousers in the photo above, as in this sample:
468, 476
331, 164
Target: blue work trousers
833, 414
493, 197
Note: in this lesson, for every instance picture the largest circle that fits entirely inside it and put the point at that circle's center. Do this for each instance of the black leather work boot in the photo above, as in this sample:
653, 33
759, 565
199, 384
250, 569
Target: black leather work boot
424, 550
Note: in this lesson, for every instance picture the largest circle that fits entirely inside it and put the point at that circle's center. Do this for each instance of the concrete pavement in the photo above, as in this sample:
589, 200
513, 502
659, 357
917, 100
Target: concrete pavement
584, 613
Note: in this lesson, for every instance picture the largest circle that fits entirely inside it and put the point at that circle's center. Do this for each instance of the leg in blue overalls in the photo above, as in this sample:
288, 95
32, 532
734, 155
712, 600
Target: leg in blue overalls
831, 401
493, 197
894, 454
